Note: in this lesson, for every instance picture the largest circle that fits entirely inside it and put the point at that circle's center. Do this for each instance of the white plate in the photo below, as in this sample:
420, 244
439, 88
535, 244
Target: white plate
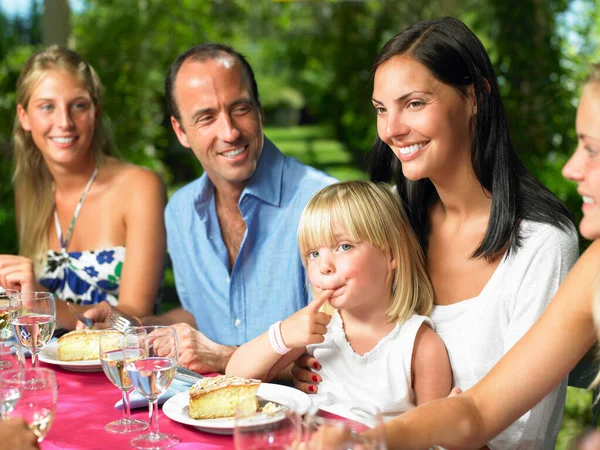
49, 355
176, 408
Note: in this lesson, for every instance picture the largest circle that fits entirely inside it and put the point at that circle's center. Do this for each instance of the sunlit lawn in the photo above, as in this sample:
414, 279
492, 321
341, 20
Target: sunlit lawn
313, 145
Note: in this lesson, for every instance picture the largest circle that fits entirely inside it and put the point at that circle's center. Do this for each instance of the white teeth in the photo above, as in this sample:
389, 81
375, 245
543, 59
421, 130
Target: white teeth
588, 199
410, 149
233, 153
65, 140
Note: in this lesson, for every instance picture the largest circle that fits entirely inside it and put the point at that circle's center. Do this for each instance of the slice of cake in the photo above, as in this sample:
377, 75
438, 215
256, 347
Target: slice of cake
213, 397
84, 345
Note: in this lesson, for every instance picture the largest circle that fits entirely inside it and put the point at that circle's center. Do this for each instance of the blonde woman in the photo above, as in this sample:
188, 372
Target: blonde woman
90, 226
377, 346
546, 354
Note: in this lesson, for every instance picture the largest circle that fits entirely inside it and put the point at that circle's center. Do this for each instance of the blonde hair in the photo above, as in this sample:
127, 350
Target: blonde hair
32, 179
371, 212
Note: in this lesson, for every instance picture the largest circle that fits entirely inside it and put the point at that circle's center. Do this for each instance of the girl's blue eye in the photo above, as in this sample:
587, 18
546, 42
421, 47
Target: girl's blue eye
313, 254
345, 247
46, 107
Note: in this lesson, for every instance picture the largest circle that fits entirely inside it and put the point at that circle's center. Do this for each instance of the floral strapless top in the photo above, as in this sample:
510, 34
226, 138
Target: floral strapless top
87, 277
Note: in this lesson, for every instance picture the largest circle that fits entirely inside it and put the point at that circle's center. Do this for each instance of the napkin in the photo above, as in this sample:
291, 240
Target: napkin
137, 400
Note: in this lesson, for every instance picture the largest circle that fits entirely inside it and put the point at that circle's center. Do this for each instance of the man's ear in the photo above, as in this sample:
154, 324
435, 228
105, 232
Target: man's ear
23, 118
177, 128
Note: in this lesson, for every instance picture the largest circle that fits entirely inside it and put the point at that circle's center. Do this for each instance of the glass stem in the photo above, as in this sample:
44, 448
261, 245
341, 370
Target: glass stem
126, 408
34, 358
153, 407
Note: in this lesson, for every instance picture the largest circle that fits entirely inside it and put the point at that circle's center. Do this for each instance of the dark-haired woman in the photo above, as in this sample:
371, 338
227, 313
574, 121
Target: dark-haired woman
498, 243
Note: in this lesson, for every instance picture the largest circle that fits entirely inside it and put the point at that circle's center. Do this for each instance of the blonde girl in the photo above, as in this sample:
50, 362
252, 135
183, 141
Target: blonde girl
78, 208
377, 346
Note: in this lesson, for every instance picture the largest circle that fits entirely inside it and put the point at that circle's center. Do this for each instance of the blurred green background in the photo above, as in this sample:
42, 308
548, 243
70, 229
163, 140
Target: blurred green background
312, 61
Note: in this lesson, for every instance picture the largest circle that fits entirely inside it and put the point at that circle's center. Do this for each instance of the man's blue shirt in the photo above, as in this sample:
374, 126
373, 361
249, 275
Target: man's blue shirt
267, 282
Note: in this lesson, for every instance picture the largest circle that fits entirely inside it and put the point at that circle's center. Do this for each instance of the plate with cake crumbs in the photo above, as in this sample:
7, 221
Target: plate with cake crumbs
272, 398
49, 355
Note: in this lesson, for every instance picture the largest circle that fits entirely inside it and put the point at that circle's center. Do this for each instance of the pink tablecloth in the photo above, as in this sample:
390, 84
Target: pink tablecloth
86, 403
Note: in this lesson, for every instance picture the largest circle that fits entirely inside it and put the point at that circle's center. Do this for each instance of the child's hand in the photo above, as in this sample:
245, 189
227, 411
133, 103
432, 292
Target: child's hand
307, 326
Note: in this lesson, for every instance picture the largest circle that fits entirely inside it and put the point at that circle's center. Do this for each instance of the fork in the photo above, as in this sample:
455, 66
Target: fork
118, 322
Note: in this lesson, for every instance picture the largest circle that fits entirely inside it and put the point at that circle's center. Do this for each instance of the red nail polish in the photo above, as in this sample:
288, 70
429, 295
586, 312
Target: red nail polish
317, 365
315, 378
311, 388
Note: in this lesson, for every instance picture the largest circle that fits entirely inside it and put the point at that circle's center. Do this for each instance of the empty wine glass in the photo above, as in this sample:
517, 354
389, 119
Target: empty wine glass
270, 427
37, 401
361, 428
114, 358
33, 317
152, 375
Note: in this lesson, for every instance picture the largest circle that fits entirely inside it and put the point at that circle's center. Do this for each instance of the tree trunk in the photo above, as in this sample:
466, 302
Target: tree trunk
56, 24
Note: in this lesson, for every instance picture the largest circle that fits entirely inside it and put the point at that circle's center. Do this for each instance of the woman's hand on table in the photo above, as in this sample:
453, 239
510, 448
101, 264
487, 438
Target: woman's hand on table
17, 272
200, 354
305, 379
14, 435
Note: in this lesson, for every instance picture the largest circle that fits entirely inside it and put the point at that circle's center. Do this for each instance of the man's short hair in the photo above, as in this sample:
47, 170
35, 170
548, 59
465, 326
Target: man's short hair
206, 52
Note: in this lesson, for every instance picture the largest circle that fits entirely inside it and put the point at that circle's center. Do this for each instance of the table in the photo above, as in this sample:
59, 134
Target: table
86, 403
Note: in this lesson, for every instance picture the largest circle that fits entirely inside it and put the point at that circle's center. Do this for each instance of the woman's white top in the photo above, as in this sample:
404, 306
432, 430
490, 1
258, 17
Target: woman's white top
479, 331
380, 377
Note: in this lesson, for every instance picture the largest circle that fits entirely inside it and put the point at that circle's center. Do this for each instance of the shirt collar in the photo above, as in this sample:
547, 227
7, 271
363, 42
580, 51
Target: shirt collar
265, 184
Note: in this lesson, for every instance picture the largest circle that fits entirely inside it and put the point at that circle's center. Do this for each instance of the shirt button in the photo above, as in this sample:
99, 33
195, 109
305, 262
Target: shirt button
237, 322
228, 280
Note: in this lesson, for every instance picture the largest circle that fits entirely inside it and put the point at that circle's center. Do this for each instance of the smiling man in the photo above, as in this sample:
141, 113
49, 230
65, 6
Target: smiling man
232, 232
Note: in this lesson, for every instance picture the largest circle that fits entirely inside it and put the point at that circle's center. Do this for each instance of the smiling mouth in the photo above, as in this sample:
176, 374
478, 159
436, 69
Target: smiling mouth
63, 140
233, 153
588, 200
410, 149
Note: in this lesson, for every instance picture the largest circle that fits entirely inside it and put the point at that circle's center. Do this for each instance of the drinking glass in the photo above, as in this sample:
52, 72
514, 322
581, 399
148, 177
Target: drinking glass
361, 428
6, 331
37, 402
152, 375
10, 392
114, 358
280, 429
11, 357
33, 317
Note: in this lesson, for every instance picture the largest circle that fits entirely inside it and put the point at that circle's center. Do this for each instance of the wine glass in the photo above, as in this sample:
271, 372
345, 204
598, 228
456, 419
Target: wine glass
11, 357
114, 358
37, 402
33, 317
272, 426
361, 428
10, 393
6, 331
152, 375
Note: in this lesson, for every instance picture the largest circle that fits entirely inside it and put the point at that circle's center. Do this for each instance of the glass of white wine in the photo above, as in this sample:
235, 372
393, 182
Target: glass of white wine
152, 375
6, 331
114, 358
33, 318
36, 403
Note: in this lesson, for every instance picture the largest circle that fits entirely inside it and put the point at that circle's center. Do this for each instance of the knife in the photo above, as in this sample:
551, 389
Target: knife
188, 375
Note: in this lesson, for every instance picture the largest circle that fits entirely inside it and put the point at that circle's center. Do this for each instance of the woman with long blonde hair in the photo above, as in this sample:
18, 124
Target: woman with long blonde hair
90, 226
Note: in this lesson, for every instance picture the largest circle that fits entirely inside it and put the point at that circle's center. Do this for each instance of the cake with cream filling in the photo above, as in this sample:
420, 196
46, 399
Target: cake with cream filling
84, 345
214, 397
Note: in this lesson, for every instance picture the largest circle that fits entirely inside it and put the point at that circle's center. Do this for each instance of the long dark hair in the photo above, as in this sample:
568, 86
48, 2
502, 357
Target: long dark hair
456, 57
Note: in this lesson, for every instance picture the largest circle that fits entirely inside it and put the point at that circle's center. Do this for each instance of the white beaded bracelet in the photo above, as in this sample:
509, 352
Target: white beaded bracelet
276, 340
